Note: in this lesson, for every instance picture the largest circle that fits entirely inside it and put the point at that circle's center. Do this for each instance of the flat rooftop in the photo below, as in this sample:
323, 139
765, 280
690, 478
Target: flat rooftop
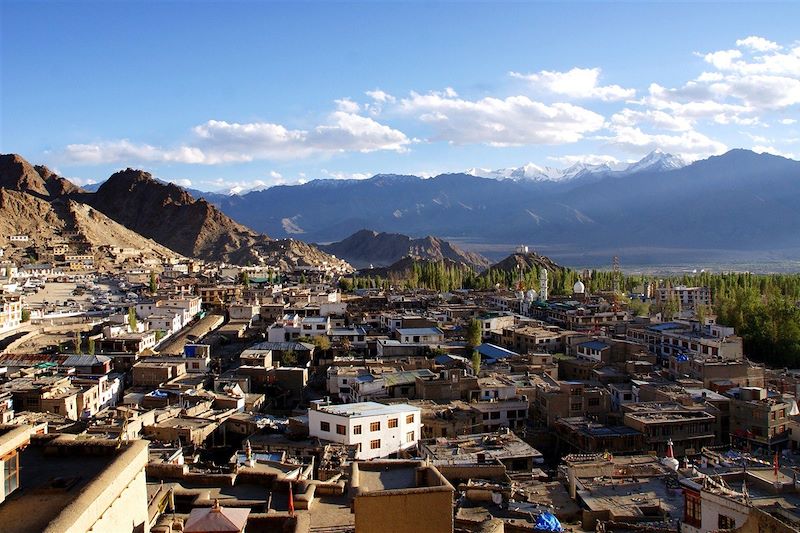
465, 449
362, 409
48, 483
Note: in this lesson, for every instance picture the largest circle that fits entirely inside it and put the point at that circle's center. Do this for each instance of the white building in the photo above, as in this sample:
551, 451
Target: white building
377, 430
421, 335
10, 312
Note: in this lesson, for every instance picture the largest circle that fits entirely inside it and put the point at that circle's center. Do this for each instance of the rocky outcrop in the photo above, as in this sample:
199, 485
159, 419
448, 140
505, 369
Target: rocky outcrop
365, 248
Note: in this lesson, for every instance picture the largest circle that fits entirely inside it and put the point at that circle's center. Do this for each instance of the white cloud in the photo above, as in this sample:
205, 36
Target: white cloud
80, 182
788, 121
183, 182
654, 117
338, 175
588, 159
774, 151
690, 145
275, 175
346, 105
758, 44
218, 141
381, 96
576, 83
511, 121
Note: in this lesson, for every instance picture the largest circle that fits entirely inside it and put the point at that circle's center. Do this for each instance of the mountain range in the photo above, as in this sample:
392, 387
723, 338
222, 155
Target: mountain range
132, 209
739, 202
654, 161
657, 210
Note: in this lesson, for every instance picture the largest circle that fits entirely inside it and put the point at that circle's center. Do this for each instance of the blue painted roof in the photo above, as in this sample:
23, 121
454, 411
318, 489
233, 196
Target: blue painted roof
665, 326
493, 351
594, 345
419, 331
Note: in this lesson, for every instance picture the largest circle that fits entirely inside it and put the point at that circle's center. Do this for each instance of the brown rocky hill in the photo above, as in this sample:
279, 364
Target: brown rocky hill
19, 175
46, 220
171, 216
526, 262
365, 248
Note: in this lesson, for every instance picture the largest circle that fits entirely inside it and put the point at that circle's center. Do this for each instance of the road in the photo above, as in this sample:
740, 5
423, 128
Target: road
197, 330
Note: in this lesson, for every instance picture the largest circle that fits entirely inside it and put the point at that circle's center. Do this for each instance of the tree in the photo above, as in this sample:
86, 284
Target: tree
638, 307
90, 348
303, 278
346, 284
153, 282
132, 323
476, 362
289, 358
26, 315
473, 333
244, 277
321, 343
77, 342
701, 313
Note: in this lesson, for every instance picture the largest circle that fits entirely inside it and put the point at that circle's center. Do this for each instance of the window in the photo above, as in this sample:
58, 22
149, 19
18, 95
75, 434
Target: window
409, 419
10, 470
726, 522
325, 426
375, 444
340, 429
375, 426
410, 436
357, 430
392, 423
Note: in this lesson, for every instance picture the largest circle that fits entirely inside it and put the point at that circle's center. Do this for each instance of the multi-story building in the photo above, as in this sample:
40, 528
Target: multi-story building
567, 399
681, 338
686, 297
689, 429
376, 430
10, 312
760, 418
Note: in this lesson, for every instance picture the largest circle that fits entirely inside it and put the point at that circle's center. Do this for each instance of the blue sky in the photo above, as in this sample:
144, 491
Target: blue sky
223, 95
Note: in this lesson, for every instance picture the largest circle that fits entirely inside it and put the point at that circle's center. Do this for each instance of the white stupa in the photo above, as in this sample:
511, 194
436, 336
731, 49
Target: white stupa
669, 461
578, 288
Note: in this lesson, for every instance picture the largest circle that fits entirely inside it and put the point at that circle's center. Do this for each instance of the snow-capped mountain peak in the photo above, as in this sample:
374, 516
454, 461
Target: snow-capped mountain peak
657, 161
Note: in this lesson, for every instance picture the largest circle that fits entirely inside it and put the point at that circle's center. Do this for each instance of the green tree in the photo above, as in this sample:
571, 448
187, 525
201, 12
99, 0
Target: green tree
26, 315
473, 333
90, 349
132, 322
289, 358
153, 282
303, 278
346, 284
701, 313
77, 342
321, 343
244, 277
476, 362
638, 307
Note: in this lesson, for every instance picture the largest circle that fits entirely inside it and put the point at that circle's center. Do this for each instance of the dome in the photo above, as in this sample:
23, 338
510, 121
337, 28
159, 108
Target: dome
579, 287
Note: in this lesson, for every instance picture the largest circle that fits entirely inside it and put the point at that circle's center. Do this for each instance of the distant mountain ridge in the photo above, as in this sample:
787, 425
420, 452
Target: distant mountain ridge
366, 247
656, 161
739, 201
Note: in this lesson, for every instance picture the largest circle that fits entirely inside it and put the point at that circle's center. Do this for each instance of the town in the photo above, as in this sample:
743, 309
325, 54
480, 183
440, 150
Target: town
167, 394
